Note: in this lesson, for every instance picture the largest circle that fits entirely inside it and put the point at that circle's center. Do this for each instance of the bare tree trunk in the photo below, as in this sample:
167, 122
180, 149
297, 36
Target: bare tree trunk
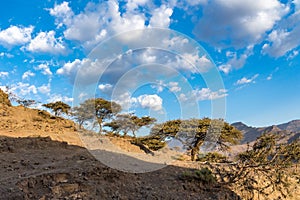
100, 125
196, 148
133, 132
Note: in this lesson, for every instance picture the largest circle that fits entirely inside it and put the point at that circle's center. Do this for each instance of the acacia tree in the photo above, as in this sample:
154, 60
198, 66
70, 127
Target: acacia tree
265, 168
58, 107
26, 102
193, 132
129, 122
97, 108
81, 115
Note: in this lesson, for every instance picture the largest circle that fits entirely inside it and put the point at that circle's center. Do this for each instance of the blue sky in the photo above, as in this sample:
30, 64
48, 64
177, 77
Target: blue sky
170, 59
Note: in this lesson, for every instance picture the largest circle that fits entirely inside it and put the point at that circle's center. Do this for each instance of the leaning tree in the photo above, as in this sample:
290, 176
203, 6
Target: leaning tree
194, 132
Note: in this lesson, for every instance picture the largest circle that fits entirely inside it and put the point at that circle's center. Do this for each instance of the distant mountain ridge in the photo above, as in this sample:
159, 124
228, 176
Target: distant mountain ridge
289, 130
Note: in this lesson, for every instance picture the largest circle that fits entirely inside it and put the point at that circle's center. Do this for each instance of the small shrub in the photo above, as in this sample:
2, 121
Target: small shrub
203, 175
212, 157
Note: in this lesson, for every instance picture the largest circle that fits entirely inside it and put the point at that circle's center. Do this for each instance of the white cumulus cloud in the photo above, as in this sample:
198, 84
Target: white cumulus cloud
86, 70
27, 74
15, 35
44, 68
23, 89
238, 23
46, 42
282, 41
153, 102
101, 20
62, 12
161, 17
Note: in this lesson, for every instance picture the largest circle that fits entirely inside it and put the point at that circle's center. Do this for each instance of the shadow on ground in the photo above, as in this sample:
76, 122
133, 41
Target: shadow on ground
39, 168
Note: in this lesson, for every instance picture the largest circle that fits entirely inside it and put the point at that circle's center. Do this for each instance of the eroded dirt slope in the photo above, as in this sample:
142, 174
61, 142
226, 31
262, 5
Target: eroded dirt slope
39, 168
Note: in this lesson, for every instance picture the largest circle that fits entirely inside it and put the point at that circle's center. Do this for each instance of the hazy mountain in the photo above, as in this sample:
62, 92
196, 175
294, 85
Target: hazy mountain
289, 130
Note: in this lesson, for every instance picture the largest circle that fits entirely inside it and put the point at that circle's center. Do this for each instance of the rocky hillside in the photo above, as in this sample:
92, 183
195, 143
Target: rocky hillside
4, 101
289, 131
42, 158
19, 121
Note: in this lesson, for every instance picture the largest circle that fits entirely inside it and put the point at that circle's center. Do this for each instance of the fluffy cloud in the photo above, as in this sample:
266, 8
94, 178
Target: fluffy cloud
203, 94
101, 20
148, 56
27, 74
236, 60
238, 23
146, 101
282, 41
44, 89
70, 68
86, 70
23, 89
195, 63
207, 94
245, 80
161, 17
97, 22
15, 35
172, 86
44, 68
46, 42
105, 87
59, 97
62, 12
125, 100
84, 27
134, 4
153, 102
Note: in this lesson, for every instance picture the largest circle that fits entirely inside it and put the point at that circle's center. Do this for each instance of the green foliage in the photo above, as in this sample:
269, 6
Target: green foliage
212, 157
193, 132
129, 122
26, 102
152, 142
204, 175
82, 113
58, 107
97, 108
266, 150
262, 169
